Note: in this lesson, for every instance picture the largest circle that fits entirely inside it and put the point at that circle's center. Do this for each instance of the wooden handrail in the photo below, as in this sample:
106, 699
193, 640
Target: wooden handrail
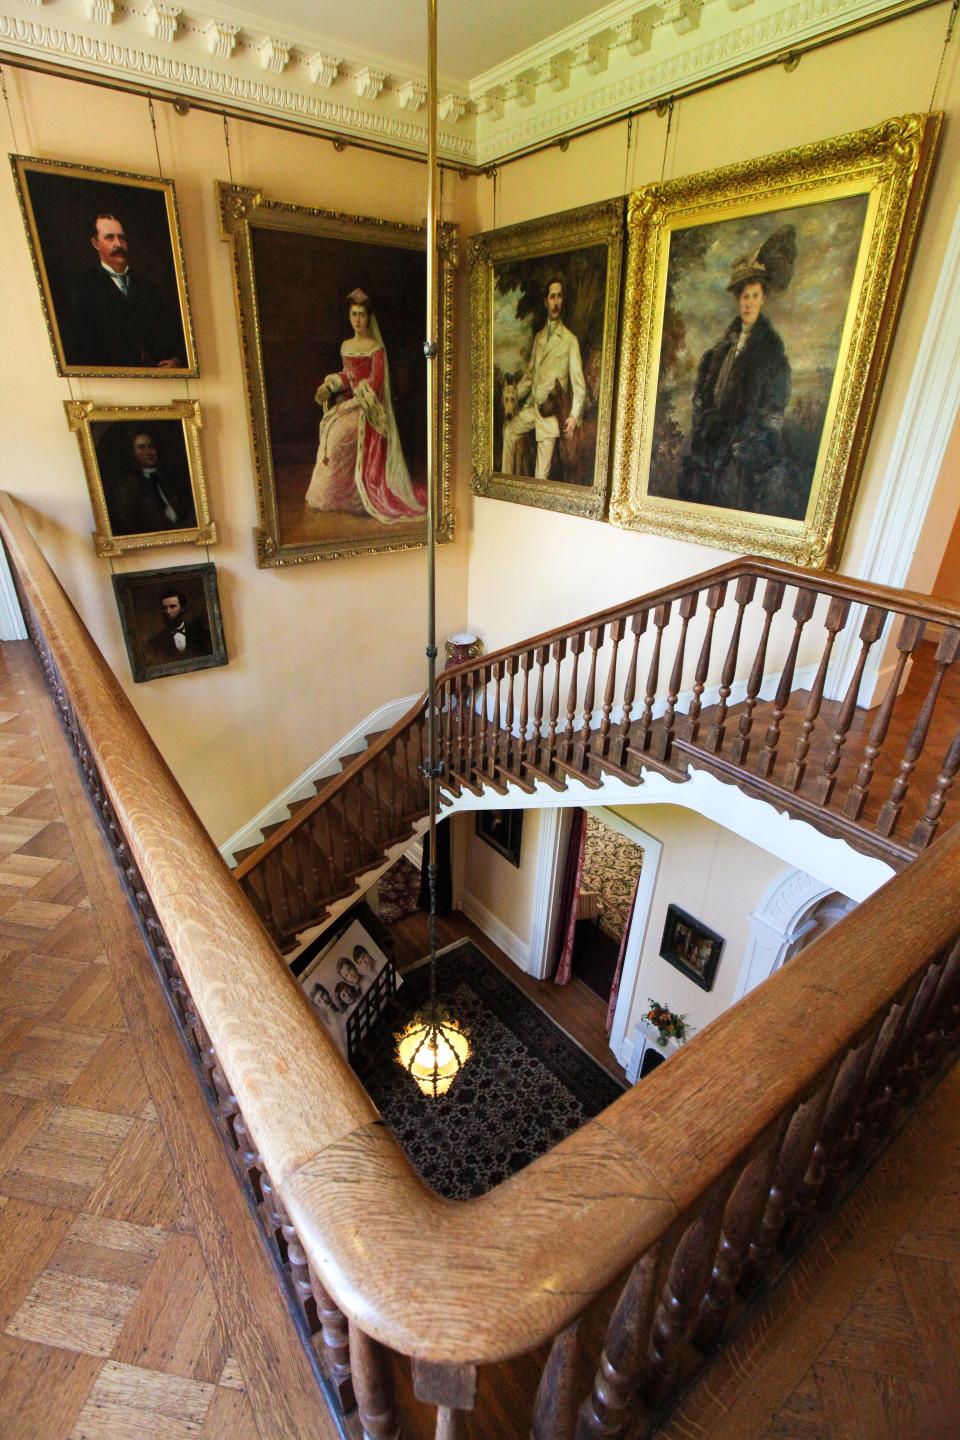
461, 1283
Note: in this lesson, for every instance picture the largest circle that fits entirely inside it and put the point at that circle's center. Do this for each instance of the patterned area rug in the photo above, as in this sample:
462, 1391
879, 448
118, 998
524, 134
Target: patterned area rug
398, 891
525, 1086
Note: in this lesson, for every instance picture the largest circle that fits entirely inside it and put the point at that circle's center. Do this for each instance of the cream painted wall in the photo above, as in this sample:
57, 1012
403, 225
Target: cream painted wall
313, 648
715, 876
502, 889
531, 569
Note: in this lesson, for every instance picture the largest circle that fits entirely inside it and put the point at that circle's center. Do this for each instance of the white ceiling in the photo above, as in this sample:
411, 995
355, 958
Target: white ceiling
473, 35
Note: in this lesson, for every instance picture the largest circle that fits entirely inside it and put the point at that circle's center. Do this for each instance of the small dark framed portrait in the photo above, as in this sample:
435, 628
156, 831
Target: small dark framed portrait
109, 263
503, 830
171, 620
144, 473
691, 947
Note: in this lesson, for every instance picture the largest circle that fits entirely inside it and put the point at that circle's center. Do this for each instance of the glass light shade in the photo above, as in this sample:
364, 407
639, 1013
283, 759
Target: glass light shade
434, 1054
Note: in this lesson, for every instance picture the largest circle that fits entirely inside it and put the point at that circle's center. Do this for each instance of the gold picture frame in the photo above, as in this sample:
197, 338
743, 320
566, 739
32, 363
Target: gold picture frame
144, 473
81, 221
517, 350
764, 456
350, 479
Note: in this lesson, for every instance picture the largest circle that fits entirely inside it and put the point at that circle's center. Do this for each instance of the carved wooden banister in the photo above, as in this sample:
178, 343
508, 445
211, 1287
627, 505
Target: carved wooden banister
663, 1198
670, 703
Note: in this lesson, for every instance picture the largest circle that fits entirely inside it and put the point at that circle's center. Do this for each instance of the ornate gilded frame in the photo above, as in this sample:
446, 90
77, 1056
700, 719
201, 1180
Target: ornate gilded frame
599, 225
243, 209
197, 582
103, 186
83, 415
889, 164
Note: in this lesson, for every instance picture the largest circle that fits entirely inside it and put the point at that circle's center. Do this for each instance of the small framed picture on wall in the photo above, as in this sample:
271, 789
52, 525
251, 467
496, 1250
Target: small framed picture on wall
691, 947
171, 620
503, 831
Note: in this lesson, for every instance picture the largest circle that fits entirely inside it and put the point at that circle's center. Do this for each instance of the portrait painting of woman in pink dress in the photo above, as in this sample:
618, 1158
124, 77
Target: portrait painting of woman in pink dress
360, 466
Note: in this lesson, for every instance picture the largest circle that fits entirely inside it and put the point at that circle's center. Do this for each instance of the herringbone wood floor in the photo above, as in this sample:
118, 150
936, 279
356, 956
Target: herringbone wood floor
112, 1323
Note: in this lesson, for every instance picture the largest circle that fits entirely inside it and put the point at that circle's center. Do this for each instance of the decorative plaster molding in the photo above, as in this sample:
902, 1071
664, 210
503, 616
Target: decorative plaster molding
412, 95
492, 103
220, 38
526, 88
559, 78
102, 11
162, 20
368, 82
323, 69
274, 54
640, 34
685, 16
739, 4
598, 52
451, 108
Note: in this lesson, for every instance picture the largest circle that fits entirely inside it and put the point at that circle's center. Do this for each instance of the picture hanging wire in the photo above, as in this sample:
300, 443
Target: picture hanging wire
156, 142
626, 158
666, 139
226, 142
951, 24
6, 101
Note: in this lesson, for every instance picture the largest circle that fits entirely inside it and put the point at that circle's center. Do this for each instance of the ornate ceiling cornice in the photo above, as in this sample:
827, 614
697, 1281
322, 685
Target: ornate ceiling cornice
623, 57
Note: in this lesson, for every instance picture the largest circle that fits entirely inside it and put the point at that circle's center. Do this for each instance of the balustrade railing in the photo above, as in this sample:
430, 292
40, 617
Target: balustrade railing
630, 1248
728, 672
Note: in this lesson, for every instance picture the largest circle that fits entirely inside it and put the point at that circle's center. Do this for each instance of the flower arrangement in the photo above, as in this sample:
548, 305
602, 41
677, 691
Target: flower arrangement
670, 1025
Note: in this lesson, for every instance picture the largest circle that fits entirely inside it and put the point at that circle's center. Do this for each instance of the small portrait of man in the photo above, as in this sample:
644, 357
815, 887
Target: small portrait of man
111, 258
146, 477
325, 1003
171, 620
548, 319
364, 961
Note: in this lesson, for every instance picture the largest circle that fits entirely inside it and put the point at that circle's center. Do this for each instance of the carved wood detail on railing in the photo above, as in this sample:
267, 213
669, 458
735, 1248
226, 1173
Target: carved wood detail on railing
571, 704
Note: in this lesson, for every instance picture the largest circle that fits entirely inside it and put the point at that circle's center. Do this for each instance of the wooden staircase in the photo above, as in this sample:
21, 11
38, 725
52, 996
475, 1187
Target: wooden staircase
728, 673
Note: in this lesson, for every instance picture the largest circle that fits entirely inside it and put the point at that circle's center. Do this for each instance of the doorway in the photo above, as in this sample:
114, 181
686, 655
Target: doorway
612, 863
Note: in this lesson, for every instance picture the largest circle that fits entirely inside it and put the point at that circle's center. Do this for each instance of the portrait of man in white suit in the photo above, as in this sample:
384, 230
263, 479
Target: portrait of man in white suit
551, 392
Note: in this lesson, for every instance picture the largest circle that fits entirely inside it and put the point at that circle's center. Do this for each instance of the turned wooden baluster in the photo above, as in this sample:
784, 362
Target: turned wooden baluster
613, 1398
335, 1351
617, 629
462, 723
577, 643
802, 610
589, 698
541, 655
772, 600
558, 651
555, 1406
908, 1072
716, 595
946, 654
688, 608
945, 1012
484, 724
911, 633
276, 885
661, 619
447, 720
682, 1294
373, 1386
876, 1096
927, 826
493, 754
743, 1214
870, 630
792, 1164
453, 1389
307, 863
744, 593
834, 622
508, 715
638, 625
526, 660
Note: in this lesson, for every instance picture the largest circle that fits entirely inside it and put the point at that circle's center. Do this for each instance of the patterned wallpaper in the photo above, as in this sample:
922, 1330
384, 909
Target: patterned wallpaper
610, 867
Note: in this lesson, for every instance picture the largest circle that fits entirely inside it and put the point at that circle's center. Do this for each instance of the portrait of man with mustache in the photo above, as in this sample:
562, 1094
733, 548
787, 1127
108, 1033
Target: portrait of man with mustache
117, 316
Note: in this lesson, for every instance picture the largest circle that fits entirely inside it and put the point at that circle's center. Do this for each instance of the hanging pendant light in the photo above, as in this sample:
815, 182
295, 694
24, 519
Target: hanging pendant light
434, 1050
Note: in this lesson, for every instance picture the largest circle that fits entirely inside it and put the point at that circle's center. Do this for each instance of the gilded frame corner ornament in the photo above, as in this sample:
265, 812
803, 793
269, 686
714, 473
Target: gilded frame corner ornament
243, 210
57, 201
85, 418
556, 238
889, 167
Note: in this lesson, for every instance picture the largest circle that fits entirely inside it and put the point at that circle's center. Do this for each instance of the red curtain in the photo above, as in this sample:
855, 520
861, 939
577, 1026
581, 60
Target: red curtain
569, 897
615, 988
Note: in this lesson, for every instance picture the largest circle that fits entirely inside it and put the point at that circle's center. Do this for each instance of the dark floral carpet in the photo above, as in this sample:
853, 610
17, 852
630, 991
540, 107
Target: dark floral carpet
398, 891
524, 1087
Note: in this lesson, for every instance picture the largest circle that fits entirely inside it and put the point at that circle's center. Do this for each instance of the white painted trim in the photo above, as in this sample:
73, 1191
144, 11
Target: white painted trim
916, 459
11, 619
780, 923
652, 851
495, 929
553, 835
302, 788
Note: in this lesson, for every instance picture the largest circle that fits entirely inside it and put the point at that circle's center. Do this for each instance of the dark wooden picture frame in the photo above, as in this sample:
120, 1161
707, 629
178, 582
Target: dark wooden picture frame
691, 947
151, 649
142, 328
503, 831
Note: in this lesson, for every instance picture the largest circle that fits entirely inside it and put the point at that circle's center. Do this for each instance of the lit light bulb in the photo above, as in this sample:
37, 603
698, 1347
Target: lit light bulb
434, 1054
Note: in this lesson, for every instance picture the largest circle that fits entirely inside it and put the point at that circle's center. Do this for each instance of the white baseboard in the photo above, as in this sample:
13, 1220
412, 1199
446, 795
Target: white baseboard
302, 788
495, 929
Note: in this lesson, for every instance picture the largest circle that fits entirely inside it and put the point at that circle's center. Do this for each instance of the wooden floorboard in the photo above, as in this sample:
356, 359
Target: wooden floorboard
135, 1295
